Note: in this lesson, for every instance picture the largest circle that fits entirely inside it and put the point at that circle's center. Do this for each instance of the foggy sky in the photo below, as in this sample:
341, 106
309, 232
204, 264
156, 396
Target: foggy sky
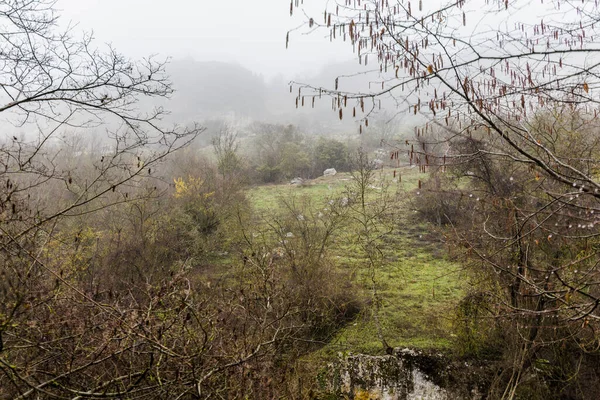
250, 32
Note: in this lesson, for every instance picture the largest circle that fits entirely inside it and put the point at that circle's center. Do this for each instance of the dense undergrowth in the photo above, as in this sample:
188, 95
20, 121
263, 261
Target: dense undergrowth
210, 285
405, 285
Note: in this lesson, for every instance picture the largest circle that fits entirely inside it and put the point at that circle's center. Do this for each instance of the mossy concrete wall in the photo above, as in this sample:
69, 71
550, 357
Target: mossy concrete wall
407, 374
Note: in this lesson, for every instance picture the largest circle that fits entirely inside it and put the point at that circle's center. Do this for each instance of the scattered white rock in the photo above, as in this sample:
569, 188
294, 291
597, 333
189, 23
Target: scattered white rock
329, 172
377, 163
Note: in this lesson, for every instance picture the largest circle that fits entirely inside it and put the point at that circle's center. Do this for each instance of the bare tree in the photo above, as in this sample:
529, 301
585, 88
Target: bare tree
59, 339
370, 207
515, 88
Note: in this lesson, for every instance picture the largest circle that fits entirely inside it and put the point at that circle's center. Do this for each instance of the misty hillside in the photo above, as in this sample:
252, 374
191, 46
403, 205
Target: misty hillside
206, 89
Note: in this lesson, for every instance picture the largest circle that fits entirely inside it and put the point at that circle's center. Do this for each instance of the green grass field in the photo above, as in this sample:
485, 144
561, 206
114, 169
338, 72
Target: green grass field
416, 284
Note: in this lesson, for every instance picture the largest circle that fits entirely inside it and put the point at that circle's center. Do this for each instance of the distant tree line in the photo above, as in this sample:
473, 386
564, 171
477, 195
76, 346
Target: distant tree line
282, 152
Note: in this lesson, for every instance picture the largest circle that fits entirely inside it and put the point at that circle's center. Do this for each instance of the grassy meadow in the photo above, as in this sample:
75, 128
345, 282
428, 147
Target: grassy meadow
416, 285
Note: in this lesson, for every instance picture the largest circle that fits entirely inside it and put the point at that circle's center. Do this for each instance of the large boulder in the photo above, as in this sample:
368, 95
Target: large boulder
329, 172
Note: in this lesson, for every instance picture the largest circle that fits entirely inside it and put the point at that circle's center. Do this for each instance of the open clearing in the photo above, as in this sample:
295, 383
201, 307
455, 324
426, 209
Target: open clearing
416, 284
